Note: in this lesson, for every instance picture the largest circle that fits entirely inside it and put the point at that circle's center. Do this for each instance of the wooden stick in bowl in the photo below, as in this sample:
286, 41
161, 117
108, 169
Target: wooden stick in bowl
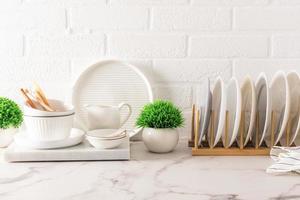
40, 92
43, 104
42, 99
27, 98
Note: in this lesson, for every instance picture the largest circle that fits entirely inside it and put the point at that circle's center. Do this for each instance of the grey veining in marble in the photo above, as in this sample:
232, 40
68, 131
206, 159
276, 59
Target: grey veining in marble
148, 176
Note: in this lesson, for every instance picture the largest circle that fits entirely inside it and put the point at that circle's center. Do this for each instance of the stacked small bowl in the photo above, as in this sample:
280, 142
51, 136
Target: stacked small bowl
49, 126
106, 138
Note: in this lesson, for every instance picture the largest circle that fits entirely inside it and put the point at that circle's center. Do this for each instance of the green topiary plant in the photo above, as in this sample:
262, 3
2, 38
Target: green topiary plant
160, 114
11, 115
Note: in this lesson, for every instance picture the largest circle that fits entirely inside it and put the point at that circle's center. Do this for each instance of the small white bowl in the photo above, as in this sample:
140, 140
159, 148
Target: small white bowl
60, 106
49, 126
105, 143
107, 133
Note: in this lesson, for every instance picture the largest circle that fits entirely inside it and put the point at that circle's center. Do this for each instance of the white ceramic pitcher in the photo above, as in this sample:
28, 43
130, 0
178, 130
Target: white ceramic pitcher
106, 117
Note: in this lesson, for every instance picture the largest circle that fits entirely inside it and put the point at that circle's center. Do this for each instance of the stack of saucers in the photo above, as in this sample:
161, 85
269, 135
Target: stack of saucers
106, 138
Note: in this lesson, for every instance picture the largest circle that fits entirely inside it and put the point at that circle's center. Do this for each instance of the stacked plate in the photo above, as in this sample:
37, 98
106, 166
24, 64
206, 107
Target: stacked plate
106, 138
227, 105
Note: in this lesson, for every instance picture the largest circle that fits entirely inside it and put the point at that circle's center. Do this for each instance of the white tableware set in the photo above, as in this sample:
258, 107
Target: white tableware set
108, 97
259, 107
106, 100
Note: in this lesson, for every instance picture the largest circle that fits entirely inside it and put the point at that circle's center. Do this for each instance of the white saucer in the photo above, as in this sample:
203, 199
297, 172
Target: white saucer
76, 136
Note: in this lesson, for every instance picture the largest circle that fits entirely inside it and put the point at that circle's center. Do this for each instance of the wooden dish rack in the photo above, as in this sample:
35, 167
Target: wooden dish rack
251, 149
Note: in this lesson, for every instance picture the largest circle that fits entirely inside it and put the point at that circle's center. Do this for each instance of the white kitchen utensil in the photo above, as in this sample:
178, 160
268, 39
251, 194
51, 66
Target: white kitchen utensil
219, 110
102, 116
76, 136
249, 108
234, 108
263, 106
109, 83
280, 98
205, 106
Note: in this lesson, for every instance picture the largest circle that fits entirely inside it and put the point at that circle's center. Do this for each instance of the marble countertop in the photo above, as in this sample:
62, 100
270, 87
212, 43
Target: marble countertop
176, 175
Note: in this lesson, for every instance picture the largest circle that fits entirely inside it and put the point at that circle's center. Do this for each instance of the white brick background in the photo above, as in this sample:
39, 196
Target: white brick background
176, 43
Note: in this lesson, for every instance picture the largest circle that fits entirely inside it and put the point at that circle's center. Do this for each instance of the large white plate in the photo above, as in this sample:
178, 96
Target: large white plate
280, 97
219, 108
205, 106
249, 107
294, 88
234, 108
263, 106
110, 83
76, 136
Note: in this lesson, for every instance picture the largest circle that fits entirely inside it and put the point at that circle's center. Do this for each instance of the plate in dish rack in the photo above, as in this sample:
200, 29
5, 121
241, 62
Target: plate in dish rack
110, 83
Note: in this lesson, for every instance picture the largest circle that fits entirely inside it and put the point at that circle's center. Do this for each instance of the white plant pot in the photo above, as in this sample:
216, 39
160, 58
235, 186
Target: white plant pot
160, 140
6, 136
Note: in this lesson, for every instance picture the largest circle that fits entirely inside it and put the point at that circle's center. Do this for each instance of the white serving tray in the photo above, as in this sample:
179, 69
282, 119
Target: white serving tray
81, 152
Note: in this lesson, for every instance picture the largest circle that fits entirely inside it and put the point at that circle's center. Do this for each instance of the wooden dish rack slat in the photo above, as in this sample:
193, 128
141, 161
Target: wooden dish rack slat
237, 149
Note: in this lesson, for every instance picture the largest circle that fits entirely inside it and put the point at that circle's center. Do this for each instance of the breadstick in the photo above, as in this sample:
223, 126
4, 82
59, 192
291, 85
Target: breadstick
39, 90
27, 98
42, 103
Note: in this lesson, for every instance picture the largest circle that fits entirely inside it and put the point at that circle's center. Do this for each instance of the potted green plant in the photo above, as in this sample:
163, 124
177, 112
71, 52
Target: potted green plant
11, 118
160, 121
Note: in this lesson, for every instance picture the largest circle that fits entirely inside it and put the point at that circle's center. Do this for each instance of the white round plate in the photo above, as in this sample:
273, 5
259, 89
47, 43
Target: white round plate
75, 138
263, 106
205, 106
219, 108
294, 88
280, 98
249, 108
234, 108
110, 83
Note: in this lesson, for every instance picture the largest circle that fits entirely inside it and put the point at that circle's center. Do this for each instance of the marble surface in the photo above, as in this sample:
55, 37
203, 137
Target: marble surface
176, 175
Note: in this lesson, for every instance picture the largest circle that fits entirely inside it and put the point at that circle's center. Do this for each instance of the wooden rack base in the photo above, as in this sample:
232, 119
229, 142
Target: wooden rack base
251, 149
233, 151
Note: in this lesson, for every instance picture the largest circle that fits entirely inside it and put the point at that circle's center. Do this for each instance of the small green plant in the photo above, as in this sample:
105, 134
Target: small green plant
11, 115
160, 114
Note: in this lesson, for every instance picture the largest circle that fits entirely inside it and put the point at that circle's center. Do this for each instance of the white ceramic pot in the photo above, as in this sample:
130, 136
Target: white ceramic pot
160, 140
6, 136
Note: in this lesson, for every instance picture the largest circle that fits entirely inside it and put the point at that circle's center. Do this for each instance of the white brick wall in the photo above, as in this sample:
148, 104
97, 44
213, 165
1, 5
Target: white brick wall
176, 43
229, 46
190, 19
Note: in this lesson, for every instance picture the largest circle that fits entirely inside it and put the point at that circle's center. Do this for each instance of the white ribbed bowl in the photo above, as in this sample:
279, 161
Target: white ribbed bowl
49, 128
